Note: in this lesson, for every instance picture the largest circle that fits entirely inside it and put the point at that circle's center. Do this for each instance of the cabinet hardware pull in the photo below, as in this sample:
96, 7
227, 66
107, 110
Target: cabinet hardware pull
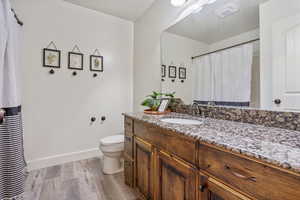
239, 175
128, 123
204, 168
202, 188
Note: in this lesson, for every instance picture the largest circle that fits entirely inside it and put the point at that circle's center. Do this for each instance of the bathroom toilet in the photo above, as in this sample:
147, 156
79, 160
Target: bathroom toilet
112, 148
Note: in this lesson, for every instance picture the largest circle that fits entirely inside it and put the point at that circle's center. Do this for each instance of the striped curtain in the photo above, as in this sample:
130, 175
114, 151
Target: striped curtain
12, 162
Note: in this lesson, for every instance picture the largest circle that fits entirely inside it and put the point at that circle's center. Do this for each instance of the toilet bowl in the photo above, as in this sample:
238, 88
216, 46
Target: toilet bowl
112, 148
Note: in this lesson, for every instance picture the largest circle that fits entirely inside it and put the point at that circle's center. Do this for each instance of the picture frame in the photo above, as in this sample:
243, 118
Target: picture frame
172, 72
163, 71
182, 73
75, 60
164, 103
96, 63
51, 58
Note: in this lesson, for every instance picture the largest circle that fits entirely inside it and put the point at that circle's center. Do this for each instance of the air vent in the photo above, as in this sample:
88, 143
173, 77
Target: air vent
228, 9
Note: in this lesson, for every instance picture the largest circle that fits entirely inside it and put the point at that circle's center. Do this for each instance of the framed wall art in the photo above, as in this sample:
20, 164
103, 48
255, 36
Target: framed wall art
172, 72
182, 73
96, 63
75, 59
51, 56
163, 71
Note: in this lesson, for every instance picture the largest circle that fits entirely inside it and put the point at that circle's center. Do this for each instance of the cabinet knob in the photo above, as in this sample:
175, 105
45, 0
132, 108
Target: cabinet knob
277, 101
202, 188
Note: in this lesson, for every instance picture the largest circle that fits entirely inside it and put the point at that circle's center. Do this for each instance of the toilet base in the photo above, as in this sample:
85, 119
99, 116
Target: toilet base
112, 165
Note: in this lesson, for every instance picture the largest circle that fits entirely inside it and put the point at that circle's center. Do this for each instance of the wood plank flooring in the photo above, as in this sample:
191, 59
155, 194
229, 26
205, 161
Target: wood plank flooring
82, 180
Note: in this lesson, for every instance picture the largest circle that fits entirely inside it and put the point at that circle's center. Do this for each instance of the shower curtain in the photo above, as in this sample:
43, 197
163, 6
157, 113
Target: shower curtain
12, 162
224, 77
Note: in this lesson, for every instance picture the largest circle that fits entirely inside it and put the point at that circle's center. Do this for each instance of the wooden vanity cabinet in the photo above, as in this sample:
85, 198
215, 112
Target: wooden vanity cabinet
164, 165
128, 152
175, 179
128, 170
143, 168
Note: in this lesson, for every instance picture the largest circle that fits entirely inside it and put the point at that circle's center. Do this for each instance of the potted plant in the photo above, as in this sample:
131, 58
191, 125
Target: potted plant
153, 102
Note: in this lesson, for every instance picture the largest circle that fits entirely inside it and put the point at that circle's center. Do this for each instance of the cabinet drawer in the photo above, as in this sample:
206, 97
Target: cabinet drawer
128, 125
128, 147
253, 178
128, 171
212, 189
182, 146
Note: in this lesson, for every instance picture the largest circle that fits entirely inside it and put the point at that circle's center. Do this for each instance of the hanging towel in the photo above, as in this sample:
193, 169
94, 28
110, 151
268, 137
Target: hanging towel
12, 162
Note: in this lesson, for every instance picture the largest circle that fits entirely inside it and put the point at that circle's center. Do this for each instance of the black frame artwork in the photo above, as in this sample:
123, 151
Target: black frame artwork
174, 68
184, 70
69, 59
91, 63
163, 71
44, 58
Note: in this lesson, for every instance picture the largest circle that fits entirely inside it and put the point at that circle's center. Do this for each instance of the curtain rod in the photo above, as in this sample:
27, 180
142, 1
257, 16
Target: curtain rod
240, 44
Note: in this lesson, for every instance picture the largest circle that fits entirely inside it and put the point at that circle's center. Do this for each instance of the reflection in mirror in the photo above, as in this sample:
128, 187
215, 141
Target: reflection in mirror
219, 49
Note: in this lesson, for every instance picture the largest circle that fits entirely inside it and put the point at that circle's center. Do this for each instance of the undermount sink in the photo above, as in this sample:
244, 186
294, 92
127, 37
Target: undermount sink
181, 121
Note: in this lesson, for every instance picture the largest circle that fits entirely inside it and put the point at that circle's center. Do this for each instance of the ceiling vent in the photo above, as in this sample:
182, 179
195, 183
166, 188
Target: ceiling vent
228, 9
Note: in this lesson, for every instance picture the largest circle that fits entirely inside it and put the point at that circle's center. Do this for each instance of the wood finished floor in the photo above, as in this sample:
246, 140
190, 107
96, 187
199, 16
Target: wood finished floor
82, 180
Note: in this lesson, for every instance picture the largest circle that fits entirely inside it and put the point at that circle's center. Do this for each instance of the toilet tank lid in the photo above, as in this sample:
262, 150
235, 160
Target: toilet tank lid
115, 139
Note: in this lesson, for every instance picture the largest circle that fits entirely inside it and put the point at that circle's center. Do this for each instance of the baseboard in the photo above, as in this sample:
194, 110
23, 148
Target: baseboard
62, 158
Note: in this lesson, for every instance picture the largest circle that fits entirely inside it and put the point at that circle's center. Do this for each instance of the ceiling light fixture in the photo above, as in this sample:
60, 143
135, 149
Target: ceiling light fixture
211, 1
198, 6
178, 3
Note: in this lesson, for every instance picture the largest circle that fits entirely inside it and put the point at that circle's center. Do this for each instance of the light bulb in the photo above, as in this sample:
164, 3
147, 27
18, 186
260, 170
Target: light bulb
177, 3
211, 1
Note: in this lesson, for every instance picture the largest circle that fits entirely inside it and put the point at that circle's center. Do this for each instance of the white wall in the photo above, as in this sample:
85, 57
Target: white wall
147, 33
271, 12
179, 50
57, 108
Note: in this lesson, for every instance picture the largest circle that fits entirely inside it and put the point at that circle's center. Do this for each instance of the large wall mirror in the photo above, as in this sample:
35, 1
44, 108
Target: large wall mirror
243, 53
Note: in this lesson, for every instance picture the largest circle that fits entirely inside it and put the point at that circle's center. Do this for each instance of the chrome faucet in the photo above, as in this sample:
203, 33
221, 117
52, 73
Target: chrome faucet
195, 109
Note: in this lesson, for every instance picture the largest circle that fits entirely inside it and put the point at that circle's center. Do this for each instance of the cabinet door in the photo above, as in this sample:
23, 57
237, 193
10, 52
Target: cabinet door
210, 189
143, 168
175, 179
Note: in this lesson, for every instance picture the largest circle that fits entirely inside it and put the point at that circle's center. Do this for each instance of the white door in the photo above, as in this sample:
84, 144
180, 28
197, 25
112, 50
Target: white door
286, 64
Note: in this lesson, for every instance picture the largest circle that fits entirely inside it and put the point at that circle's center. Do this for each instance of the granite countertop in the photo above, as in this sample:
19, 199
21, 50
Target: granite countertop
272, 145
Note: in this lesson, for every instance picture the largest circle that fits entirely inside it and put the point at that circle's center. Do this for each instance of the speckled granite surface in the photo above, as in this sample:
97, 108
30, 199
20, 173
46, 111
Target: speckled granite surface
273, 145
285, 120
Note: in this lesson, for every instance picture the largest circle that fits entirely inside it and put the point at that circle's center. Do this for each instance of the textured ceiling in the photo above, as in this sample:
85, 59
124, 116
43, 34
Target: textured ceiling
126, 9
207, 27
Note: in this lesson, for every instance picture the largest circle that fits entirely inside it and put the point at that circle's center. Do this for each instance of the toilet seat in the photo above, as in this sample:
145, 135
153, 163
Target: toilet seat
112, 140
